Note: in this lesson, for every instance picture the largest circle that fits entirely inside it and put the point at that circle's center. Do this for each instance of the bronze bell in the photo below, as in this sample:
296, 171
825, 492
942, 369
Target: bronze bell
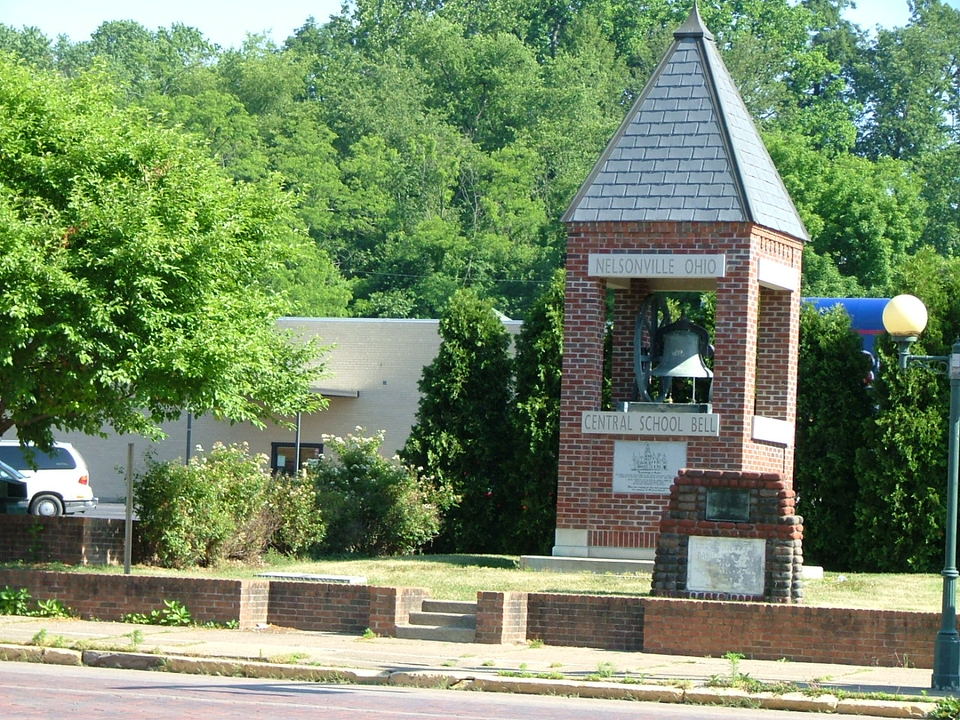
684, 344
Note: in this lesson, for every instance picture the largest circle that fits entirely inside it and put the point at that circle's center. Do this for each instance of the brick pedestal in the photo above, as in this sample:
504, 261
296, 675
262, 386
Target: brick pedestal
771, 518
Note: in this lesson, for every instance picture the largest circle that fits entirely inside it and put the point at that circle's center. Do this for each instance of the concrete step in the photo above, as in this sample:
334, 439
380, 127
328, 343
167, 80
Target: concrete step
457, 607
441, 634
443, 619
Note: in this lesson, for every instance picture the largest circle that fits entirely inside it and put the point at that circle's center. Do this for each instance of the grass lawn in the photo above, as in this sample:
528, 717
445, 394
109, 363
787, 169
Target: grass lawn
459, 577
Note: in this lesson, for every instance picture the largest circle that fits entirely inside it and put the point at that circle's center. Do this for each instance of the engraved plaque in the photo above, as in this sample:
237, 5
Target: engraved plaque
732, 504
646, 468
726, 565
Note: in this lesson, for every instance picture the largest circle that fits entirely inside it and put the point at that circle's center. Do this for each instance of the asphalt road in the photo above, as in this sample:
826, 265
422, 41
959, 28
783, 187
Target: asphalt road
114, 511
50, 692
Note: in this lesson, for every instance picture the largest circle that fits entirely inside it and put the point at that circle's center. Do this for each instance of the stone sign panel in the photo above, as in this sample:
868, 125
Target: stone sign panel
660, 423
657, 265
646, 468
726, 565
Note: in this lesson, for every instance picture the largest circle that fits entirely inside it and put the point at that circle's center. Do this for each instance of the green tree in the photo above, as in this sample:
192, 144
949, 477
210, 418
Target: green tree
462, 433
131, 271
909, 84
833, 407
865, 216
536, 419
901, 505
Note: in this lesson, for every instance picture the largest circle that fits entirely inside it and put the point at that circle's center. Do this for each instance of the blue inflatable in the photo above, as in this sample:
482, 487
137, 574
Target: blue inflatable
866, 319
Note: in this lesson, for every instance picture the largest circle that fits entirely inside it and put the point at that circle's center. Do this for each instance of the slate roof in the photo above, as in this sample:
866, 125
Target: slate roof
688, 150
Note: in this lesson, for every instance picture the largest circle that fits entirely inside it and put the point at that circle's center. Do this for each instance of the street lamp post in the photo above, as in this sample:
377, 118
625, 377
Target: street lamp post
905, 317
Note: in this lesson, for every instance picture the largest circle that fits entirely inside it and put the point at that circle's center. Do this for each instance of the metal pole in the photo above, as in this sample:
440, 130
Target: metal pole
186, 460
296, 449
946, 653
128, 525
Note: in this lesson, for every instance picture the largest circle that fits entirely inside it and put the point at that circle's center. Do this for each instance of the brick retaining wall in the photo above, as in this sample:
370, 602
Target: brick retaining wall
795, 632
72, 540
600, 621
109, 597
634, 624
341, 608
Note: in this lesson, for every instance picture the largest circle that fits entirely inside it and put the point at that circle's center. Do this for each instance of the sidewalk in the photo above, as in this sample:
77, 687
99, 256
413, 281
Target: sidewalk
281, 652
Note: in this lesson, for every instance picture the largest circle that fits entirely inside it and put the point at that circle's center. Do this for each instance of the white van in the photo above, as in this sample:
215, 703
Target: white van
59, 484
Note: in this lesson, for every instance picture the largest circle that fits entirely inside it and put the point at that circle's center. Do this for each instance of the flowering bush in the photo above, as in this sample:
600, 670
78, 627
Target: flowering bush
372, 505
222, 505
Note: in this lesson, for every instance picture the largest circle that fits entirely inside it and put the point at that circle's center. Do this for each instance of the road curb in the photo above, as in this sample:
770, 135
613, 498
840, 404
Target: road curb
886, 708
32, 653
464, 681
607, 690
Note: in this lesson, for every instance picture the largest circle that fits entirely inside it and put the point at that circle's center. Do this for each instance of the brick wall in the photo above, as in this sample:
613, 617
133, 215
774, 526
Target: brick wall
341, 608
634, 624
501, 617
600, 621
794, 632
72, 540
109, 597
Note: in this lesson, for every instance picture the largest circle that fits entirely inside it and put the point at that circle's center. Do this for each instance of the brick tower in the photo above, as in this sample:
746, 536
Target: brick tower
685, 197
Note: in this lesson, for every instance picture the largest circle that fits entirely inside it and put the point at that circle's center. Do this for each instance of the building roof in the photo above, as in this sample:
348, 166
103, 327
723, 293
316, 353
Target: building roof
688, 150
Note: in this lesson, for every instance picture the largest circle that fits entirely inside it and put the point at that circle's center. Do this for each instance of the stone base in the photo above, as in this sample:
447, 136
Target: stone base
614, 566
574, 544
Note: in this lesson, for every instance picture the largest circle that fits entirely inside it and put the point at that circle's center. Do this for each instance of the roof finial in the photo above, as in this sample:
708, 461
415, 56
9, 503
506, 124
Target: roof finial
694, 26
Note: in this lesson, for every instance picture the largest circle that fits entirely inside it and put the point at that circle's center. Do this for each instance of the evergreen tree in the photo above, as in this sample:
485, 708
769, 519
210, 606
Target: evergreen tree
833, 405
462, 433
536, 418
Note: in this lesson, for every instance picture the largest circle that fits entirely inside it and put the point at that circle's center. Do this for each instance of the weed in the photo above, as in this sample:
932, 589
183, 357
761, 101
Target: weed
173, 614
535, 643
368, 634
52, 609
136, 637
40, 638
606, 670
14, 602
527, 674
218, 625
734, 658
487, 663
289, 659
948, 708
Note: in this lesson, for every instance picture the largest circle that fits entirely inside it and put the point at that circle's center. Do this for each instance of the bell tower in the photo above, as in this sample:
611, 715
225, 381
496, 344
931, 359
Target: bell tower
684, 198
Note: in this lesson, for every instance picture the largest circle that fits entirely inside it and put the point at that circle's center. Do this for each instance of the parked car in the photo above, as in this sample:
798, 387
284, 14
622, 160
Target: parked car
58, 482
13, 491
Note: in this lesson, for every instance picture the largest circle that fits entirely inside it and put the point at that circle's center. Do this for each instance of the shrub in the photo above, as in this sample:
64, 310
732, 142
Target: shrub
223, 505
372, 505
292, 503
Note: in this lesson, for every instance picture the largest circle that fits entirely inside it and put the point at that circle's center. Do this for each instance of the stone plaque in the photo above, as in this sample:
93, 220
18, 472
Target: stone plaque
658, 423
646, 468
732, 504
726, 565
657, 265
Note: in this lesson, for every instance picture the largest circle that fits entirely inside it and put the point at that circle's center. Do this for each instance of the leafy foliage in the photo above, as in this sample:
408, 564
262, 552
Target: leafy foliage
462, 433
834, 408
536, 420
130, 271
172, 614
427, 146
372, 505
14, 601
221, 505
